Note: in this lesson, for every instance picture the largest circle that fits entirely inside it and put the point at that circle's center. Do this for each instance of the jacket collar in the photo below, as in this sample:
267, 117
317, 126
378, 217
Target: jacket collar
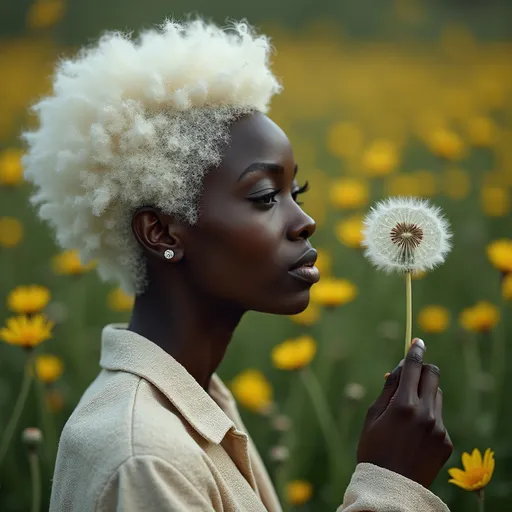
124, 350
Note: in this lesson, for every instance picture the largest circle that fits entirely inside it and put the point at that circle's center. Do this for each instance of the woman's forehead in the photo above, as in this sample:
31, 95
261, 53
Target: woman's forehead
256, 138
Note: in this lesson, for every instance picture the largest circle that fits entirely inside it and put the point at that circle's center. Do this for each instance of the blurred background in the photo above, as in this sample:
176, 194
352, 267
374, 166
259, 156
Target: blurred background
387, 97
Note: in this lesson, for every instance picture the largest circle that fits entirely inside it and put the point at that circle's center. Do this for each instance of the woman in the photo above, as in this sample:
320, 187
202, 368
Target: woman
155, 158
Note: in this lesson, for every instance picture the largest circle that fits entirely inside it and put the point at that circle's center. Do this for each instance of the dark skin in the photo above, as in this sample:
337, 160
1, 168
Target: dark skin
404, 430
237, 258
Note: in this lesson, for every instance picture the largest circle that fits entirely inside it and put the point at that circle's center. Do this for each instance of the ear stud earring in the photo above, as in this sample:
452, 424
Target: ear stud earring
169, 254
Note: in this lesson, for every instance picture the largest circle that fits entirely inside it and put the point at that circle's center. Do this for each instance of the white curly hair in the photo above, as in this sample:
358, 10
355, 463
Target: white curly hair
135, 123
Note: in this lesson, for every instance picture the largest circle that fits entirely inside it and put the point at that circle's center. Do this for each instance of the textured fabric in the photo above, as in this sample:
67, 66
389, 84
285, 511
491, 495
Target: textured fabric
146, 436
377, 489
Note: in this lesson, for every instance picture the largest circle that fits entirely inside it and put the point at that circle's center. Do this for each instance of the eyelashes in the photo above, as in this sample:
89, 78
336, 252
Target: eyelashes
301, 190
269, 199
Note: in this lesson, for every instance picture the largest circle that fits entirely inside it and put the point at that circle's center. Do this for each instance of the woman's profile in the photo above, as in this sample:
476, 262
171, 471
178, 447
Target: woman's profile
155, 158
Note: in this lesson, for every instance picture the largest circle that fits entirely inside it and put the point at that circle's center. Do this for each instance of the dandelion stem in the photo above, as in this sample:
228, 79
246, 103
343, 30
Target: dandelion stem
36, 480
327, 424
18, 408
481, 500
408, 311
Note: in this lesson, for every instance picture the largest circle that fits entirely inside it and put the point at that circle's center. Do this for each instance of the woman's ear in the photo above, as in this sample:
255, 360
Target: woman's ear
158, 234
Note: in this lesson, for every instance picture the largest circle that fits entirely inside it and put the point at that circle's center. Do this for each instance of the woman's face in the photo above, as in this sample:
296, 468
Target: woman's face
252, 234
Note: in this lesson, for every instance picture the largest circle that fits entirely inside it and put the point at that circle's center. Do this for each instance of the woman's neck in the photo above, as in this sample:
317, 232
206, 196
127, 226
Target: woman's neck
193, 330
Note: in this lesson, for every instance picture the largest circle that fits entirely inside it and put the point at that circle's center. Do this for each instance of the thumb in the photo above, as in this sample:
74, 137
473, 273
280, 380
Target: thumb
390, 387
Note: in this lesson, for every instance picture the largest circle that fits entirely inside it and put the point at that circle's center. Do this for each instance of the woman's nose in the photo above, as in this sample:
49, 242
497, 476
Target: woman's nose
303, 227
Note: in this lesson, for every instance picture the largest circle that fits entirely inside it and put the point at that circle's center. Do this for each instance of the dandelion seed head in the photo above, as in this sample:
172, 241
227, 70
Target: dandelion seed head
406, 234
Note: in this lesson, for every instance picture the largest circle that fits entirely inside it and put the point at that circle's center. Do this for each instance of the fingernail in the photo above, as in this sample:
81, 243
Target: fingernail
386, 375
401, 363
420, 343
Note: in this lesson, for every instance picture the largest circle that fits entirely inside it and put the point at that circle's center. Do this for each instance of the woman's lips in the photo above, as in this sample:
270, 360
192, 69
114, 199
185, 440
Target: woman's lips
308, 273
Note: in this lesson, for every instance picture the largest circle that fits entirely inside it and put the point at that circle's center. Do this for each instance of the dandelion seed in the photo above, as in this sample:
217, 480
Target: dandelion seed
406, 235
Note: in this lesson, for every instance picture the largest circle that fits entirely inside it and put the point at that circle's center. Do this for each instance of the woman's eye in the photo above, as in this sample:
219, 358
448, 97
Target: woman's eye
267, 199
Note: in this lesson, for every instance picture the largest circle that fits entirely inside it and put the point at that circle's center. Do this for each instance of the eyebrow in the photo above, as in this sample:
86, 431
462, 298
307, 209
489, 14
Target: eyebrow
266, 167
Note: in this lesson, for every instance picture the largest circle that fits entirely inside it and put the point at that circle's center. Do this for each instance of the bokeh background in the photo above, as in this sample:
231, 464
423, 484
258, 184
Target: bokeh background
382, 97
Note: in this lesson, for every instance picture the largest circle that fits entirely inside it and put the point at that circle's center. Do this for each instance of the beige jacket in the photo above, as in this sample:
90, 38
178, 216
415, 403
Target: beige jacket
147, 437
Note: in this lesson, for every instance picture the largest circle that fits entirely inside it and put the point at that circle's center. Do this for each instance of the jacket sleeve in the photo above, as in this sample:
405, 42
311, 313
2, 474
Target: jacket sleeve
375, 489
152, 484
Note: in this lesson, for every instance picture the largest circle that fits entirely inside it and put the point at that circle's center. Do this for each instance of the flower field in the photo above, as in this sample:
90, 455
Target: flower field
430, 119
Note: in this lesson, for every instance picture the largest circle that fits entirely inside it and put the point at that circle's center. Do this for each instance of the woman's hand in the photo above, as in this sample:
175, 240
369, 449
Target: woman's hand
404, 430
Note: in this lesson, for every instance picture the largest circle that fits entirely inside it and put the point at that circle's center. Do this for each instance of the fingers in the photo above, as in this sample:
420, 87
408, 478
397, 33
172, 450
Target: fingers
411, 371
387, 374
429, 383
390, 387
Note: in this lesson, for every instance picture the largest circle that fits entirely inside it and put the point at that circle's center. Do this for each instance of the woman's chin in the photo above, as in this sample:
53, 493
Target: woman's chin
291, 305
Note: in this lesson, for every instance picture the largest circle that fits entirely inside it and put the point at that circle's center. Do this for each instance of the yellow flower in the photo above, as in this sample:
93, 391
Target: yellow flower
495, 201
252, 390
28, 299
456, 183
333, 292
477, 471
118, 300
380, 158
11, 172
27, 332
298, 492
446, 144
68, 263
506, 287
11, 231
294, 353
323, 262
499, 253
49, 368
307, 317
45, 13
434, 319
482, 317
349, 193
482, 131
349, 231
344, 139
